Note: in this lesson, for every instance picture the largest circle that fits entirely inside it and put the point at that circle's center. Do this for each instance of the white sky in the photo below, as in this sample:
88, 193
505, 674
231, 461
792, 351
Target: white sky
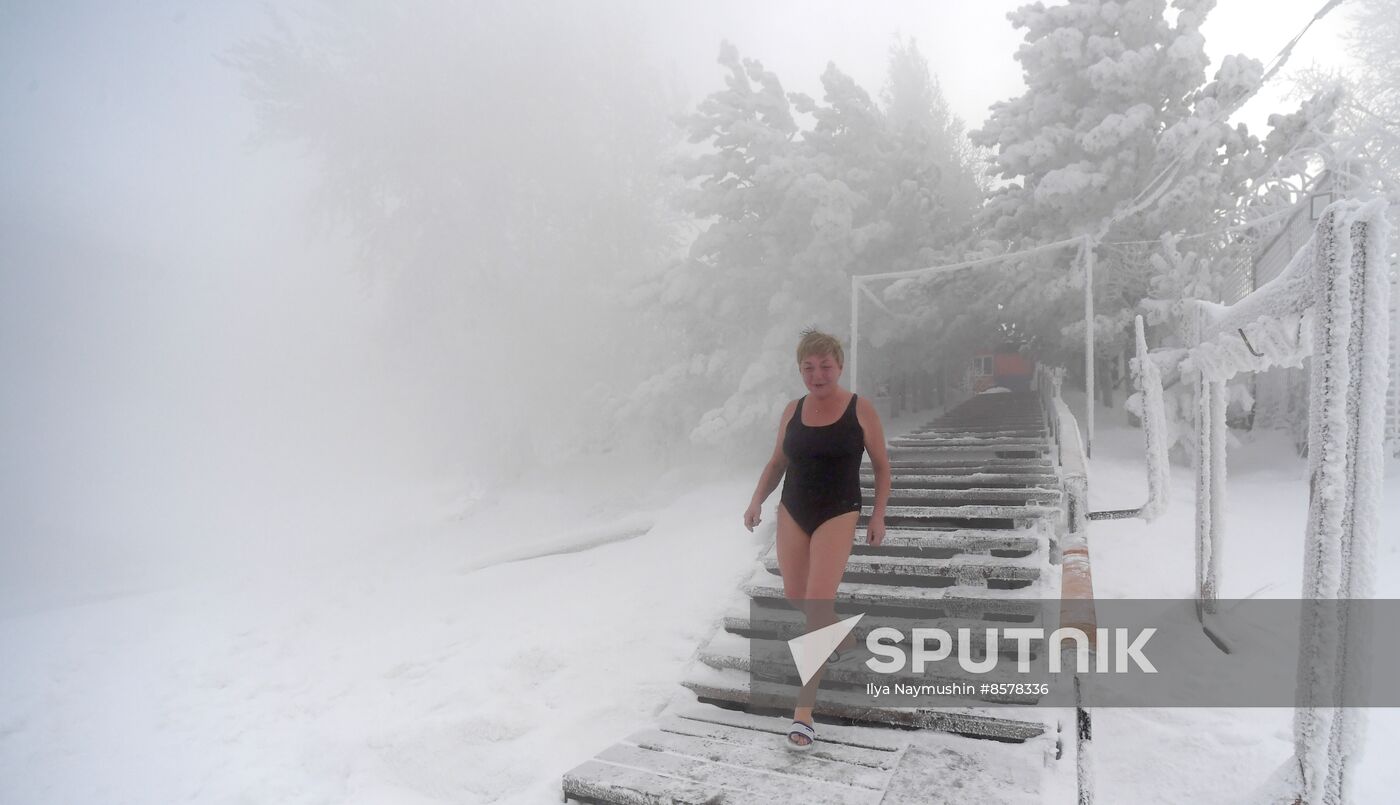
969, 46
125, 101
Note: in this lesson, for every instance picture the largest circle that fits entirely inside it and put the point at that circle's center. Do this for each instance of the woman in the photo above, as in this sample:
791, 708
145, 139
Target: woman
820, 441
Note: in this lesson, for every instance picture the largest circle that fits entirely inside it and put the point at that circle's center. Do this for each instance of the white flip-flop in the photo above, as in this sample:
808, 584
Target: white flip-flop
838, 657
801, 728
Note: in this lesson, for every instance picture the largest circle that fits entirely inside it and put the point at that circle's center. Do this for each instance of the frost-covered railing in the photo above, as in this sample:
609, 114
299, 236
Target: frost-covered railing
1147, 377
1330, 303
1077, 594
1076, 585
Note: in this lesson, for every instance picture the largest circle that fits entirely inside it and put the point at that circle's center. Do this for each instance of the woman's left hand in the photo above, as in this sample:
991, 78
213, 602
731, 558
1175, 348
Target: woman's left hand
875, 528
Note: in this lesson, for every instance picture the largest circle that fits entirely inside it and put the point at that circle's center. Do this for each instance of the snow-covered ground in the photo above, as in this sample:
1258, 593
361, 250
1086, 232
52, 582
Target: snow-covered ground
494, 643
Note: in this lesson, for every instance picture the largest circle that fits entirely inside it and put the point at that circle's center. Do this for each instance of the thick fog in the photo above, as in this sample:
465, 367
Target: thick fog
273, 284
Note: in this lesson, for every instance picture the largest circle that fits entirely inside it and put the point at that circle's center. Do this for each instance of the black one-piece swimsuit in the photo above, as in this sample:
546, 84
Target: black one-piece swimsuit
823, 475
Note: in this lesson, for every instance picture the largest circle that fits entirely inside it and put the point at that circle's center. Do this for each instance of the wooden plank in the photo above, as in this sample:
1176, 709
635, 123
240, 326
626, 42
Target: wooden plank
723, 653
595, 781
978, 447
974, 478
968, 465
970, 512
994, 497
767, 752
966, 718
785, 624
961, 571
766, 739
958, 601
938, 440
963, 540
1026, 426
974, 541
866, 737
747, 784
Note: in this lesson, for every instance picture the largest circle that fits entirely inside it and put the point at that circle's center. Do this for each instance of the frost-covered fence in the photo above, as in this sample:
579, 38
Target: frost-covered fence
1331, 303
1072, 549
1148, 380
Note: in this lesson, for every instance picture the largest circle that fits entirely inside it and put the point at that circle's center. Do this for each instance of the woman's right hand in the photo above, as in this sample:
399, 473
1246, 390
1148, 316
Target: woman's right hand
751, 516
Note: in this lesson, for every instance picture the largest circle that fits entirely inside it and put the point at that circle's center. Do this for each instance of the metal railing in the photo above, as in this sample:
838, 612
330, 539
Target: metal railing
1331, 304
1072, 549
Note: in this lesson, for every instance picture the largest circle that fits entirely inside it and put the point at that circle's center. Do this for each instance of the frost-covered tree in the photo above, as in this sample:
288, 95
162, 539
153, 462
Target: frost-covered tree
1118, 123
738, 289
1366, 143
503, 198
788, 217
924, 126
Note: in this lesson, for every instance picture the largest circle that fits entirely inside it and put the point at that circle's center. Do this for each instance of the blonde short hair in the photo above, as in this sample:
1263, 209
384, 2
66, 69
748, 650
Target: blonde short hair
816, 342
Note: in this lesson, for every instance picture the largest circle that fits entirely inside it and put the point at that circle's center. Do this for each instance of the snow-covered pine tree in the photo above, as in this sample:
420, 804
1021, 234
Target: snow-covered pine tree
787, 220
1117, 102
499, 196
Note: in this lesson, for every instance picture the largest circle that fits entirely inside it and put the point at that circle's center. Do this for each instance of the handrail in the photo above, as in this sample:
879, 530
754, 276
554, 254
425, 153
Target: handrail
1077, 585
1330, 303
1148, 378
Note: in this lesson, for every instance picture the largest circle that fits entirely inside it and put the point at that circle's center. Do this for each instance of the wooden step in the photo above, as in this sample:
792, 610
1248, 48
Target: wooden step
1020, 605
966, 466
963, 439
1036, 430
904, 451
1005, 573
902, 515
950, 542
651, 767
737, 758
973, 720
980, 463
775, 621
969, 480
771, 659
1004, 496
1004, 423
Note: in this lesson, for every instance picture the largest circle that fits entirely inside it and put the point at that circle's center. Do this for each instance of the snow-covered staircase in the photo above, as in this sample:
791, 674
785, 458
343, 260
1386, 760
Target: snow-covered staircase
975, 504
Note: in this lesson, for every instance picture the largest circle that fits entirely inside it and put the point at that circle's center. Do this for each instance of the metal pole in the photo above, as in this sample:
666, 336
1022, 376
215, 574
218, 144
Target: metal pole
855, 330
1089, 346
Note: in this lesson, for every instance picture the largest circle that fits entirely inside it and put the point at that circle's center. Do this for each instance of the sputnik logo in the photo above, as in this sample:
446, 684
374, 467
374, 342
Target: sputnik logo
811, 650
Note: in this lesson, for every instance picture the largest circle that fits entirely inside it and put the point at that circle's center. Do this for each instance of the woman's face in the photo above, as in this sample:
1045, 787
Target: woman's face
820, 373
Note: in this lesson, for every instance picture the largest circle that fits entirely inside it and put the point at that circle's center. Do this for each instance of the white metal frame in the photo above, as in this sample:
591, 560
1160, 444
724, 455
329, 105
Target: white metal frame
1086, 255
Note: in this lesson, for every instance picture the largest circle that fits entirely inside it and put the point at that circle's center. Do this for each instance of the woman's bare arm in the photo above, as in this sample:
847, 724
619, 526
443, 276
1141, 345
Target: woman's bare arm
777, 466
875, 446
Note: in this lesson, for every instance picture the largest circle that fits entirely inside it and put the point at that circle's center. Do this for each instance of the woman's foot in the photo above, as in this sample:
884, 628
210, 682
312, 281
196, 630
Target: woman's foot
847, 646
801, 735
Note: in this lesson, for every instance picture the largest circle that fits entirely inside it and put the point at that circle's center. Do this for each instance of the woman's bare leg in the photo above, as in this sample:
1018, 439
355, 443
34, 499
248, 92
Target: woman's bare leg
793, 548
829, 551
